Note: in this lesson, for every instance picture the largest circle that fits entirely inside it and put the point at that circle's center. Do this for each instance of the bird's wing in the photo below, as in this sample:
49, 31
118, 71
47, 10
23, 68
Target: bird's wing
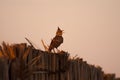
58, 39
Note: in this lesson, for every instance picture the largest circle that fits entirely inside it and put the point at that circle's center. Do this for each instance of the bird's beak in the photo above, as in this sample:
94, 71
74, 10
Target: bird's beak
63, 31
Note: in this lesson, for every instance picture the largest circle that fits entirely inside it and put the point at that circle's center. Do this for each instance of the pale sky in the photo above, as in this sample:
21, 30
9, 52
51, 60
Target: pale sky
92, 27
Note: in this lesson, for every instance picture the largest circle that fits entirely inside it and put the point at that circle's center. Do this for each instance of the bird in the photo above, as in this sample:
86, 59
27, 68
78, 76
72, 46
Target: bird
57, 40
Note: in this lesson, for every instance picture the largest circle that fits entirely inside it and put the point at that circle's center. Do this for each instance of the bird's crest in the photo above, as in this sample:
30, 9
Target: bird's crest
59, 32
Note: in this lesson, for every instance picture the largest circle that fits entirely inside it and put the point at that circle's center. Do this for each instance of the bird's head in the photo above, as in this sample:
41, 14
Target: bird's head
59, 32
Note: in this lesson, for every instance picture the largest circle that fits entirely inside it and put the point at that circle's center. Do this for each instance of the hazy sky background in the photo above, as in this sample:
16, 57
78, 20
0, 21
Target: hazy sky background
92, 27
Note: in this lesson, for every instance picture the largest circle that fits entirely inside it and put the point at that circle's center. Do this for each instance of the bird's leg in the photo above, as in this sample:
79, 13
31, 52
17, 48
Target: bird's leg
58, 51
54, 50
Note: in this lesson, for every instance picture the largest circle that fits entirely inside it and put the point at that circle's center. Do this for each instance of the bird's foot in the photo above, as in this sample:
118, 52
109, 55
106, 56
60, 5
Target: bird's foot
58, 51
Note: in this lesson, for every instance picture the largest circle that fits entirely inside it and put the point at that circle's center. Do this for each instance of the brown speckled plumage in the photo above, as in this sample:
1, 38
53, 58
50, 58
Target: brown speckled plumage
57, 40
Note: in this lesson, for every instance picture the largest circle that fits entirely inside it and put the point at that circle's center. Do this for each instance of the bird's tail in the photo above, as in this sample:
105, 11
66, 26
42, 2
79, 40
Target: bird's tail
49, 49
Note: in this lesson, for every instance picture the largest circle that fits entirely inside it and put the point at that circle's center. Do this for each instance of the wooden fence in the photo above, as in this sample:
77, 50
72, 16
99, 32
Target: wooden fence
59, 66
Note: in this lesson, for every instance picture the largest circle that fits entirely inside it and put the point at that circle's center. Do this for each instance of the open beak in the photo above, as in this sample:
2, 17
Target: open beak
63, 31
